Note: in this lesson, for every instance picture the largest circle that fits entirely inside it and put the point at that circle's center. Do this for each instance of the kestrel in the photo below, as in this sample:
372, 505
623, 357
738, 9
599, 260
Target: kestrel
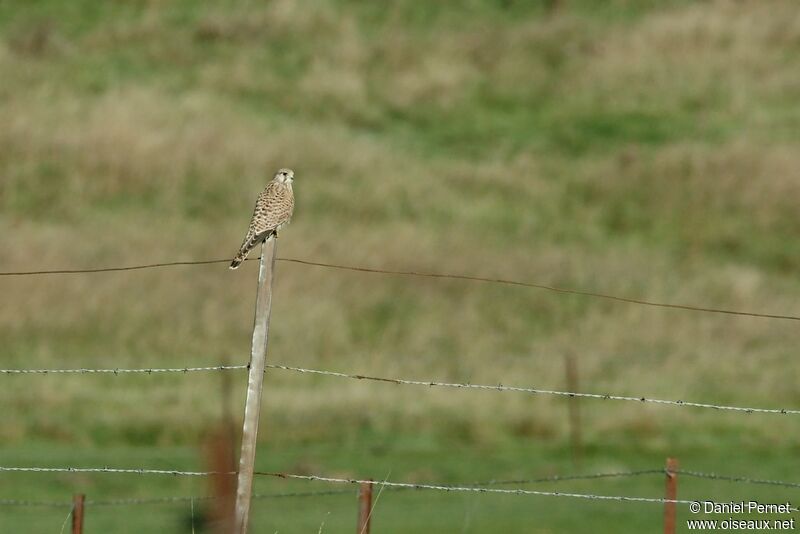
274, 208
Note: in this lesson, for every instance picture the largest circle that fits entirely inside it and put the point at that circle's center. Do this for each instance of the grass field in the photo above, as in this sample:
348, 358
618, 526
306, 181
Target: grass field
645, 149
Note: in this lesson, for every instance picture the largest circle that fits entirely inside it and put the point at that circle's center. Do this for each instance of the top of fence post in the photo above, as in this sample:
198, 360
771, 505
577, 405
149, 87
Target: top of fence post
77, 513
364, 507
671, 494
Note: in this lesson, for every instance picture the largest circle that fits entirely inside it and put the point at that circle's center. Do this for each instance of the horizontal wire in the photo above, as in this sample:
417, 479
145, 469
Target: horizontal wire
545, 287
556, 478
164, 500
116, 269
167, 500
501, 387
471, 489
117, 371
727, 478
437, 487
451, 276
113, 470
183, 499
477, 487
26, 503
565, 478
426, 383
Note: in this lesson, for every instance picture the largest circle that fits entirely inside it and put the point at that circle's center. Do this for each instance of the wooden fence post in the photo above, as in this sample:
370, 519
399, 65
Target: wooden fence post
255, 382
77, 513
671, 494
364, 508
571, 369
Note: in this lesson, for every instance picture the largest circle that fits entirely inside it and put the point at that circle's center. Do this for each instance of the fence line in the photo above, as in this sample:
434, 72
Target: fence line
434, 487
401, 381
26, 503
493, 482
476, 487
165, 500
728, 478
470, 489
566, 478
451, 276
554, 478
118, 371
545, 287
117, 269
537, 391
114, 470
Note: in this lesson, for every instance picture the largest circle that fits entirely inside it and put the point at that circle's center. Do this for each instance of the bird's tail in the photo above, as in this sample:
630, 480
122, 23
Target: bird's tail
237, 261
249, 243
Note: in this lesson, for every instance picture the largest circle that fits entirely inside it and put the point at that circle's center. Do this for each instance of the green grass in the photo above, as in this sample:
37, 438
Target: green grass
645, 149
384, 458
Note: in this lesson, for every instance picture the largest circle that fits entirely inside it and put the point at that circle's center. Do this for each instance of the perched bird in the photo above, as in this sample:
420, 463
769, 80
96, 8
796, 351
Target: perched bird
274, 208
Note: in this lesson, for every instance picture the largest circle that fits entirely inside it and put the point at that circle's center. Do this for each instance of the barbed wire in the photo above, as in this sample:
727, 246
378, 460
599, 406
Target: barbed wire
114, 470
151, 500
567, 478
426, 383
554, 478
183, 499
406, 485
728, 478
167, 500
451, 276
118, 371
501, 387
27, 503
479, 487
470, 489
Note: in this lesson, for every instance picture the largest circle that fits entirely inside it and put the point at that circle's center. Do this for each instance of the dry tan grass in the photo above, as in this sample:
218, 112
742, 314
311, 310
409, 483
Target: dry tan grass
141, 172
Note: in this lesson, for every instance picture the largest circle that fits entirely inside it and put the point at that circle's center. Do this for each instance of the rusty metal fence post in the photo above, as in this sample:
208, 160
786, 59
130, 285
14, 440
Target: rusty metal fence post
364, 507
77, 513
670, 494
255, 382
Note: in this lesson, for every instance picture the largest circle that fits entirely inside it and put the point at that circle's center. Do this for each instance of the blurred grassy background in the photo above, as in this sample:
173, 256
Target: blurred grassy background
647, 149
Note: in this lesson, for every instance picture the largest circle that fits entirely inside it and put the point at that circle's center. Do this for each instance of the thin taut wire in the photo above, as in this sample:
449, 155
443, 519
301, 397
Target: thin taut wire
479, 487
470, 489
121, 371
451, 276
537, 391
424, 383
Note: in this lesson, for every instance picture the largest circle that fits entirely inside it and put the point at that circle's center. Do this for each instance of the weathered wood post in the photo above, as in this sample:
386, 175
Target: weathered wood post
77, 513
364, 508
671, 494
252, 409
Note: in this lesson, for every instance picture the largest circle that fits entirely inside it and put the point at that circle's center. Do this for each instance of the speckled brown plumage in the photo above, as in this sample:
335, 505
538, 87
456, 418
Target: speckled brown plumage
273, 210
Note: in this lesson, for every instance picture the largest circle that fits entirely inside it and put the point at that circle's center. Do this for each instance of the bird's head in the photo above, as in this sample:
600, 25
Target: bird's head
284, 176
